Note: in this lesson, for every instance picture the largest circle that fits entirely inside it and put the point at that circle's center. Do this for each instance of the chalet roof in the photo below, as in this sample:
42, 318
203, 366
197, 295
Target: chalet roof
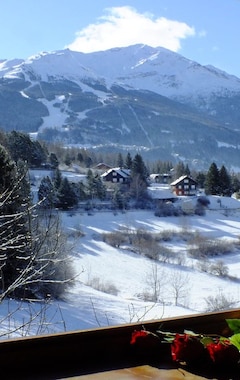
155, 175
180, 179
125, 173
161, 192
102, 165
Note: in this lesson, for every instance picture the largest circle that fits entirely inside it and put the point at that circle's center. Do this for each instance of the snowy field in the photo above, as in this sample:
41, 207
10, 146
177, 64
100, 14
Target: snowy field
131, 274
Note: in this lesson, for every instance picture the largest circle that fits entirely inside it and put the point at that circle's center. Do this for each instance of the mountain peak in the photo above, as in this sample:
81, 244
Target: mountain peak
150, 98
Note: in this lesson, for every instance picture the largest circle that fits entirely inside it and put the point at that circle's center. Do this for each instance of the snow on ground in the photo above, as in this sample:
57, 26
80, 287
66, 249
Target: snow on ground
130, 273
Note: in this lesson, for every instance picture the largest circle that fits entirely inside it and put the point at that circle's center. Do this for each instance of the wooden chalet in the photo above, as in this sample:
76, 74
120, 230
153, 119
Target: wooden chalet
160, 178
102, 166
184, 185
117, 175
106, 353
161, 194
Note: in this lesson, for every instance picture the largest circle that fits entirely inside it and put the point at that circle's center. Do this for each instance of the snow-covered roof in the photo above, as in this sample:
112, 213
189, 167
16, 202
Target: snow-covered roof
161, 192
180, 179
122, 172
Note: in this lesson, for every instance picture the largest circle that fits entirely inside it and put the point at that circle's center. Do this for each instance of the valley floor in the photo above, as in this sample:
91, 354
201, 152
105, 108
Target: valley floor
114, 283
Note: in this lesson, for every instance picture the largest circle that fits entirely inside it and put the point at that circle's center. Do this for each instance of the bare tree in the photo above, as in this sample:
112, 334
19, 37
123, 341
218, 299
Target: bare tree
31, 318
178, 285
156, 280
44, 268
220, 302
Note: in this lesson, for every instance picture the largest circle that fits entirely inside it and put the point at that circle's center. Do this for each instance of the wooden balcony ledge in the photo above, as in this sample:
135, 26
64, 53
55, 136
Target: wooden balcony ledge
106, 353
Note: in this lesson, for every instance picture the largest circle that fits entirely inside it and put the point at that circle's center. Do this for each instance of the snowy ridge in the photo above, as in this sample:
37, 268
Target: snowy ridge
138, 96
138, 66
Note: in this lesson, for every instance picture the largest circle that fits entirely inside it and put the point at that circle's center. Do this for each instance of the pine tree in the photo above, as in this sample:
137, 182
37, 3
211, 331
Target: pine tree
67, 198
224, 182
235, 183
179, 170
68, 159
139, 178
120, 162
90, 184
100, 188
46, 193
22, 147
128, 161
187, 170
139, 168
200, 178
8, 173
53, 160
212, 184
57, 178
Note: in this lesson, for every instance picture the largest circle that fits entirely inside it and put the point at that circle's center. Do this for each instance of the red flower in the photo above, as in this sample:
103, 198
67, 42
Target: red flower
186, 348
138, 334
223, 352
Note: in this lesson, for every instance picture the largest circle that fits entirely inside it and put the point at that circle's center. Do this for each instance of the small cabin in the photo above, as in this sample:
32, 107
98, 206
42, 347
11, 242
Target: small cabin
184, 185
102, 166
117, 175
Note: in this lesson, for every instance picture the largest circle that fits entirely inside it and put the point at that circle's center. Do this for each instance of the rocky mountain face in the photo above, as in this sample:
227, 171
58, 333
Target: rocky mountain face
137, 98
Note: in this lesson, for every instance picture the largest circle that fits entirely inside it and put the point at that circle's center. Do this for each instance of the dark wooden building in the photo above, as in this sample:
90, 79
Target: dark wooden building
184, 185
117, 175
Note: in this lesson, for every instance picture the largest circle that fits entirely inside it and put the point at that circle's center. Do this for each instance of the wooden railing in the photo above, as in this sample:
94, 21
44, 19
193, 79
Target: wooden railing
78, 353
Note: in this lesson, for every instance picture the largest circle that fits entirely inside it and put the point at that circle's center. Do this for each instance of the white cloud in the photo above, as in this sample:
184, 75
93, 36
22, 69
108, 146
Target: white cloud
124, 26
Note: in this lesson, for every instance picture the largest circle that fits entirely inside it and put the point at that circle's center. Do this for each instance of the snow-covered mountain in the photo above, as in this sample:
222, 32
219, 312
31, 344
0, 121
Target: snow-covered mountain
131, 98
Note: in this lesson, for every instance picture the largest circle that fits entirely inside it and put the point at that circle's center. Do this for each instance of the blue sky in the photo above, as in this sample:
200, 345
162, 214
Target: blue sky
206, 31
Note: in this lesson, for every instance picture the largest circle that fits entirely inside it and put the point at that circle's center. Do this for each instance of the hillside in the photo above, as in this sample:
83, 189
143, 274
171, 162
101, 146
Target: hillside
127, 275
132, 99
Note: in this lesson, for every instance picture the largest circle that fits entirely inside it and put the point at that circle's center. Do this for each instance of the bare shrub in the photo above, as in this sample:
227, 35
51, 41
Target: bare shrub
142, 242
145, 243
141, 239
179, 258
219, 302
146, 296
115, 239
203, 265
166, 235
203, 200
201, 205
202, 247
168, 209
151, 250
75, 233
105, 287
219, 269
165, 254
109, 288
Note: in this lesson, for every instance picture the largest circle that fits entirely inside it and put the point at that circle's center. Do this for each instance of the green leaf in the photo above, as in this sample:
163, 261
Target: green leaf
206, 340
166, 336
235, 340
234, 325
191, 333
